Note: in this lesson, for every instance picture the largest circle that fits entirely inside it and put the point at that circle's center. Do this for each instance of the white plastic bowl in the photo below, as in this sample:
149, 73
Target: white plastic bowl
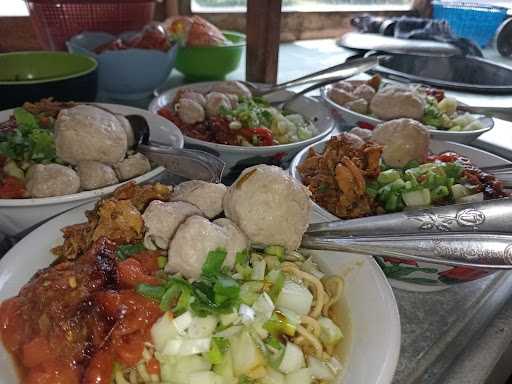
355, 119
237, 157
17, 215
407, 274
374, 341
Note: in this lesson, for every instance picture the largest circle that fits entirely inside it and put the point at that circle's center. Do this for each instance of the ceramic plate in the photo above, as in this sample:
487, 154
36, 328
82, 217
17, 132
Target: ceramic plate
17, 215
373, 344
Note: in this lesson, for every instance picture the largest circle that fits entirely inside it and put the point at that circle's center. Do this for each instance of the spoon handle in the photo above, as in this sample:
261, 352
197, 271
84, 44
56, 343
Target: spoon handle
479, 250
487, 216
498, 112
189, 163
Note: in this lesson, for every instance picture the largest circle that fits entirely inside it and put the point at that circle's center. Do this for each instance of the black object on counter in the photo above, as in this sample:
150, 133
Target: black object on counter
467, 74
504, 38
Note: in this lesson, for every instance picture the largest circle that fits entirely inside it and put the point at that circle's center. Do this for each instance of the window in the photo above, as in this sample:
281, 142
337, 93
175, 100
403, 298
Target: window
212, 6
13, 8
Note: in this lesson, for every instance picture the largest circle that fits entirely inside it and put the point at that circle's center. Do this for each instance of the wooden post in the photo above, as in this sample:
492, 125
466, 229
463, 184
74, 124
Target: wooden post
263, 32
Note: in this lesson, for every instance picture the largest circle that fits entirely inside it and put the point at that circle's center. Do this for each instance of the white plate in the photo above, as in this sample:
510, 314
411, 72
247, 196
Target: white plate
239, 157
359, 120
374, 347
17, 215
426, 276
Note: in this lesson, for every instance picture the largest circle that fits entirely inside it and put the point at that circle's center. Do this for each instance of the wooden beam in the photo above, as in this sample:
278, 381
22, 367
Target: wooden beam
263, 31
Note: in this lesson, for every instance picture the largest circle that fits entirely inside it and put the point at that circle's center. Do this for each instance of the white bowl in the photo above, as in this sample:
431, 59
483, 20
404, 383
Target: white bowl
412, 275
355, 119
237, 157
374, 341
17, 215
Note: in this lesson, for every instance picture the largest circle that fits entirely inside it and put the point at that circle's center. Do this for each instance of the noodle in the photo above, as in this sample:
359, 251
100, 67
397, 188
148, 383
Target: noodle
334, 286
311, 325
321, 296
307, 337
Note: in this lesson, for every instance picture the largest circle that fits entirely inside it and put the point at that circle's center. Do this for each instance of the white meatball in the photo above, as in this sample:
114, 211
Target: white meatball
206, 196
344, 85
364, 91
404, 140
363, 133
394, 102
359, 106
269, 206
216, 101
233, 87
94, 174
233, 99
85, 132
162, 219
133, 166
340, 96
46, 180
194, 96
189, 111
130, 137
237, 240
191, 243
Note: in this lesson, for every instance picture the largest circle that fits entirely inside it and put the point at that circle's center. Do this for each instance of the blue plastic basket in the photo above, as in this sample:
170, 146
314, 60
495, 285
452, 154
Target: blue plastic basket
474, 21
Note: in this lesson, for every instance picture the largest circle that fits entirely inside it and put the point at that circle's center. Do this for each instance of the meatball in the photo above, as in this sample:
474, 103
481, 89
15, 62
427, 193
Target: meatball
85, 132
269, 206
233, 87
344, 85
189, 111
233, 99
130, 137
404, 140
364, 91
340, 97
163, 219
350, 138
46, 180
237, 240
206, 196
194, 96
363, 133
194, 239
216, 101
94, 174
395, 102
359, 106
133, 166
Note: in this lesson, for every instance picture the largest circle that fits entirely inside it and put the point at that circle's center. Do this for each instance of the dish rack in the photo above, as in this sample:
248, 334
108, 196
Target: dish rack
472, 20
56, 21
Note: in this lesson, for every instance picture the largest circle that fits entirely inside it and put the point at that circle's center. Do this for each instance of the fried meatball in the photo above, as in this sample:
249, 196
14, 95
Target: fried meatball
404, 140
133, 166
189, 111
395, 102
216, 101
162, 219
47, 180
359, 106
233, 87
94, 174
85, 132
364, 91
340, 97
206, 196
193, 240
194, 96
363, 133
269, 206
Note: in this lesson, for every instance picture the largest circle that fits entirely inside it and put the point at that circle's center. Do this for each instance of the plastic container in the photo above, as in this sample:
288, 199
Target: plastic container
471, 20
55, 21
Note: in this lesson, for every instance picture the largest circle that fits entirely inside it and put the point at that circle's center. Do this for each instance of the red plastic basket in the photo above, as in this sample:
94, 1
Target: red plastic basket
55, 21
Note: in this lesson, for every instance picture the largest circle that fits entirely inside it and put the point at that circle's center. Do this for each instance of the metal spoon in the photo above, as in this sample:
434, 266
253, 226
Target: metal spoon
188, 163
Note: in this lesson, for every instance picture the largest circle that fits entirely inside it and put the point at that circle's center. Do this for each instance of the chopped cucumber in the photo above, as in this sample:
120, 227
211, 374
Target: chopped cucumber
388, 176
418, 198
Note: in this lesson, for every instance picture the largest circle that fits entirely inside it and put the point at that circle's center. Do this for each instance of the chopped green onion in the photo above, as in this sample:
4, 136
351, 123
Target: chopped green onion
275, 250
213, 263
162, 261
127, 250
151, 291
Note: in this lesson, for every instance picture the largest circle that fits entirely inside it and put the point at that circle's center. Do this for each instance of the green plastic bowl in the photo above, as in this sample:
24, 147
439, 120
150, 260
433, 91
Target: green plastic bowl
211, 63
31, 76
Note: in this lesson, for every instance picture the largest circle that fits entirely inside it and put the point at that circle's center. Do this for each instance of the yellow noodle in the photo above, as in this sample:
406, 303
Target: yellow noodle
311, 325
321, 296
309, 338
334, 286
